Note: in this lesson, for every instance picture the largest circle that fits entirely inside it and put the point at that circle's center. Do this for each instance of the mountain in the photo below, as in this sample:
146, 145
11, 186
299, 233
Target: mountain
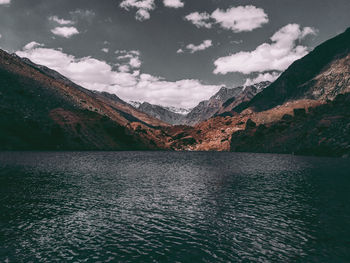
170, 115
135, 104
305, 111
220, 103
161, 113
206, 109
178, 110
323, 131
309, 118
43, 110
246, 95
321, 75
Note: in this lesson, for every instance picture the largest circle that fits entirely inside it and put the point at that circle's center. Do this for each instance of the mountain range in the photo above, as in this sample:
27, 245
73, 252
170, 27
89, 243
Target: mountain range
305, 111
220, 103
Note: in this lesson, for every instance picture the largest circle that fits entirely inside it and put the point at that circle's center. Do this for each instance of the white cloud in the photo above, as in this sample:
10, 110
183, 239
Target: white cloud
66, 32
124, 68
135, 62
193, 48
142, 15
180, 51
96, 74
236, 41
105, 50
308, 31
199, 19
32, 45
237, 19
61, 21
183, 93
241, 18
5, 2
173, 3
88, 72
283, 50
143, 8
262, 77
128, 60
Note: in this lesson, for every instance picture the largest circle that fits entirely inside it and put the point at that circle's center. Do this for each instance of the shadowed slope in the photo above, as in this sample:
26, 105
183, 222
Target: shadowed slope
302, 79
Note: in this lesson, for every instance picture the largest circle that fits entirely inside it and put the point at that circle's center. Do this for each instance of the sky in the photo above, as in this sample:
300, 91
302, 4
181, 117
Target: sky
168, 52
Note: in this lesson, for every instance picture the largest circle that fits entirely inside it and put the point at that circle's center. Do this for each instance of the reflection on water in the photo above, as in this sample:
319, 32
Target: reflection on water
178, 207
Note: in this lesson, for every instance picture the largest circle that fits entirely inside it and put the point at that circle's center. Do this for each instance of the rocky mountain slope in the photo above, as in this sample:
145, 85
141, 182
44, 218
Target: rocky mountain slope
321, 75
246, 95
206, 109
328, 70
324, 131
165, 114
41, 109
220, 103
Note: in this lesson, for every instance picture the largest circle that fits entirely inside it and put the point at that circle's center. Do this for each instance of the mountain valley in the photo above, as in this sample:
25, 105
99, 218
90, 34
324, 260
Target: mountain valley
305, 111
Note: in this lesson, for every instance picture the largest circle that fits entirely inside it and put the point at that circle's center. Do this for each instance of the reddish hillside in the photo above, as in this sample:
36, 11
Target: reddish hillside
43, 110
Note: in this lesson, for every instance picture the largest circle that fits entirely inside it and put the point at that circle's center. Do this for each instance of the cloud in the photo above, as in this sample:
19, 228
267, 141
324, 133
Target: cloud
193, 48
283, 50
237, 19
61, 21
143, 8
199, 19
0, 36
32, 45
98, 75
105, 50
262, 77
180, 51
66, 32
5, 2
88, 72
85, 14
236, 41
183, 93
173, 3
241, 18
128, 60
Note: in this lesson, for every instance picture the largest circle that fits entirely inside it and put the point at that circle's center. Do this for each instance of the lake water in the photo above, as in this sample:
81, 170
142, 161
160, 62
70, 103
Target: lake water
173, 207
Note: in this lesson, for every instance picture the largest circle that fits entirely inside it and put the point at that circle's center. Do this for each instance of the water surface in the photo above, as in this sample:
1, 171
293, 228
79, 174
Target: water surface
173, 207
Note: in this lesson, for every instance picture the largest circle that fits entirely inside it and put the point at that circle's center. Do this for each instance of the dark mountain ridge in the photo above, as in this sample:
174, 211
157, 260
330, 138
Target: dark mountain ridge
300, 80
41, 109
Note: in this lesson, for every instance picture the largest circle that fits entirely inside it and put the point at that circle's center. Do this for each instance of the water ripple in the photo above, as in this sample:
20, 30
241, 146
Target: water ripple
173, 207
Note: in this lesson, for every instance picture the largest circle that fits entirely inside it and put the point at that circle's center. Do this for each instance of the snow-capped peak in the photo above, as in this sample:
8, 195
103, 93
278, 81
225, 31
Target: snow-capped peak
135, 104
177, 110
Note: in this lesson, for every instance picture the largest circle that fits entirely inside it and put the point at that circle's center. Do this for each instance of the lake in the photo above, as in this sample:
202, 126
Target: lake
173, 207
